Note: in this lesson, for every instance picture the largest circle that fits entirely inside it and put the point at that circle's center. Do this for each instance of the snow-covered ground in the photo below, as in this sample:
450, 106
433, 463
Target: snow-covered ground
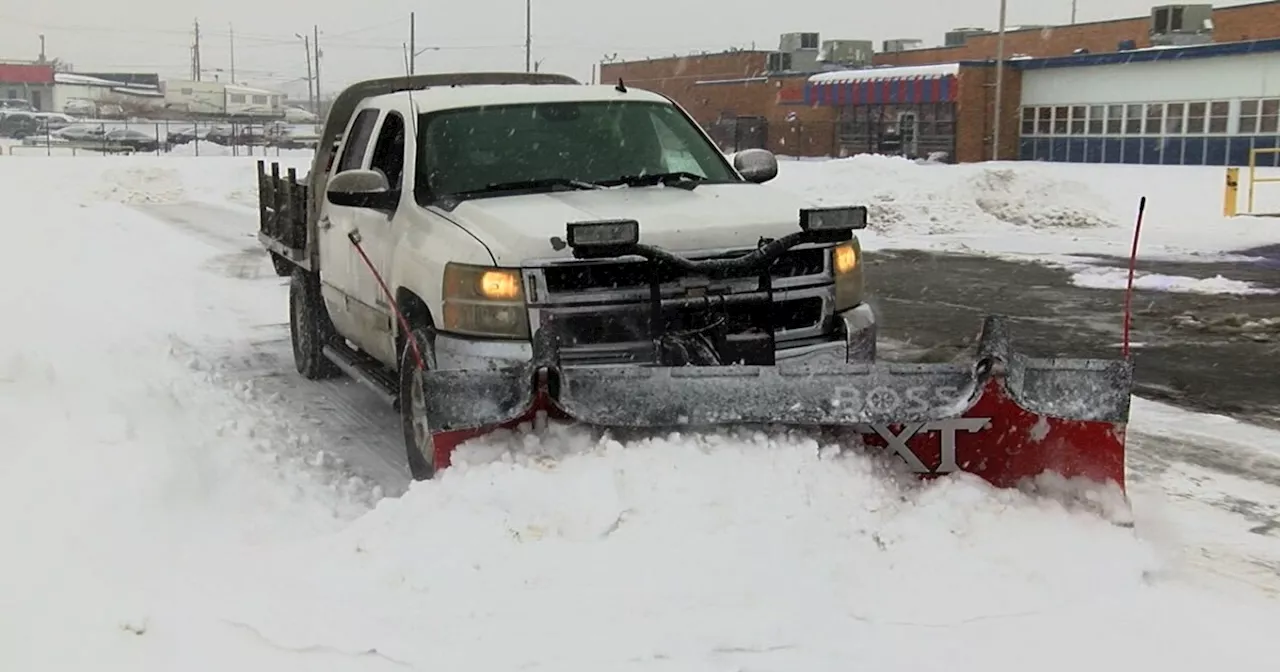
160, 513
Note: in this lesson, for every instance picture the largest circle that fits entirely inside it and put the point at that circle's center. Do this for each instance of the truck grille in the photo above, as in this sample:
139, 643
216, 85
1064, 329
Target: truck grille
635, 275
632, 324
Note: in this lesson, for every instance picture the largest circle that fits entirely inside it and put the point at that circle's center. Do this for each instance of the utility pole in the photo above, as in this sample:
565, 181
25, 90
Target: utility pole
999, 103
528, 33
413, 42
195, 55
1073, 11
306, 44
316, 41
231, 35
42, 57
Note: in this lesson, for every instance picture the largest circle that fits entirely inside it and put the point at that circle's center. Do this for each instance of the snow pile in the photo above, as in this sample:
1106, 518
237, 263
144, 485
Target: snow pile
1118, 278
906, 197
1030, 198
1024, 208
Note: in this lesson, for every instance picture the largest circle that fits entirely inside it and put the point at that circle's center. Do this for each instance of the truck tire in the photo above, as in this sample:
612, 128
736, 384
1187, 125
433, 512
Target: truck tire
309, 327
419, 449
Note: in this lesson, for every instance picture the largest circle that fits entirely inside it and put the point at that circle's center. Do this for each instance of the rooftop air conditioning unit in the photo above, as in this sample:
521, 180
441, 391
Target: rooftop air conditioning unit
793, 42
902, 44
1181, 24
958, 36
854, 53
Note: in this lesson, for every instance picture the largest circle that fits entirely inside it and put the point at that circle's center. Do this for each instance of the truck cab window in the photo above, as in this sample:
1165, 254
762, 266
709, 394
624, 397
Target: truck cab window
388, 153
361, 131
468, 150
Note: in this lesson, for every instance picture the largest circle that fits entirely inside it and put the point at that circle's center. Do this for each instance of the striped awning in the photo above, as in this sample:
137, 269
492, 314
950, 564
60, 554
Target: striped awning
879, 86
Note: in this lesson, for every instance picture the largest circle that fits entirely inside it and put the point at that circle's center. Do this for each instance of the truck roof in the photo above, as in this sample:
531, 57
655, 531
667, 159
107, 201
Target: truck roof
453, 97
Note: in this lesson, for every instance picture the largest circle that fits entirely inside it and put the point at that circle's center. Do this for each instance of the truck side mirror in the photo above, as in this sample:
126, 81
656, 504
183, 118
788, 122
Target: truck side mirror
362, 189
756, 165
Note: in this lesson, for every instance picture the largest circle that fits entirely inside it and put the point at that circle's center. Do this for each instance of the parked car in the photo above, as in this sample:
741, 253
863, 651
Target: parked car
16, 105
18, 125
134, 139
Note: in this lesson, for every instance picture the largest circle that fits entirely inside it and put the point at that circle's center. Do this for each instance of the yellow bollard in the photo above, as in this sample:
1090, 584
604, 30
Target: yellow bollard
1231, 196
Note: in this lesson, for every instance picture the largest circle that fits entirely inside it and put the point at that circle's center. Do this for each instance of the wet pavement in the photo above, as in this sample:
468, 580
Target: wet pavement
1213, 353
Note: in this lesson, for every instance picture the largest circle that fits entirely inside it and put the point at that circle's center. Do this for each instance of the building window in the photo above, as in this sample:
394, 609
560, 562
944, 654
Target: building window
1219, 113
1270, 121
1060, 115
1028, 121
1078, 119
1155, 119
259, 100
1195, 118
1133, 119
1044, 121
1097, 116
1173, 118
1248, 116
1258, 116
1115, 119
237, 98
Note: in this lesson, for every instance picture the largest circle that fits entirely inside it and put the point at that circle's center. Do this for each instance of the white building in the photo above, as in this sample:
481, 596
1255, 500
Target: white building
216, 98
84, 95
1198, 105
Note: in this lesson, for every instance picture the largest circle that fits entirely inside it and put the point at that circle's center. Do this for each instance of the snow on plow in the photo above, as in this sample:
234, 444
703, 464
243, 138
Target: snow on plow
1003, 416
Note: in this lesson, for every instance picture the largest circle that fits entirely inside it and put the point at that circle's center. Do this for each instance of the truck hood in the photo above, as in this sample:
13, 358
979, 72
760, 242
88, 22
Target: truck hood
518, 229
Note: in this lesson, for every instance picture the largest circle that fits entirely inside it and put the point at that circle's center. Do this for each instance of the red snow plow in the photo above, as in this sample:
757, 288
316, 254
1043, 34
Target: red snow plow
1002, 415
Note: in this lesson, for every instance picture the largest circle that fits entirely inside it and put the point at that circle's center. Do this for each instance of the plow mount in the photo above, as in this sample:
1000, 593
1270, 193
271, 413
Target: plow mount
1001, 415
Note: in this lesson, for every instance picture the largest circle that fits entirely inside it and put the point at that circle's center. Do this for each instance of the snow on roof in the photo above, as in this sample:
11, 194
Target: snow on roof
134, 91
81, 80
236, 88
875, 74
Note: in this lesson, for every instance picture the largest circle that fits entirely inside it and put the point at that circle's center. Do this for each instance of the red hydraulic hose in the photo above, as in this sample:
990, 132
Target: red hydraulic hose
1133, 262
354, 237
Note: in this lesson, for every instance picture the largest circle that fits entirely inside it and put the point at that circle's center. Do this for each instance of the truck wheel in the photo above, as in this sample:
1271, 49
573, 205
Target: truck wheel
309, 327
419, 448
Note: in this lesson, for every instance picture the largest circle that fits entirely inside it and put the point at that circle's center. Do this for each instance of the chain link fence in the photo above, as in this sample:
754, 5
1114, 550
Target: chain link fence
181, 138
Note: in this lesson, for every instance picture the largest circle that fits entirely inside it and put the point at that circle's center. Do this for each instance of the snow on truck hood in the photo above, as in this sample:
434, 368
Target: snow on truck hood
517, 229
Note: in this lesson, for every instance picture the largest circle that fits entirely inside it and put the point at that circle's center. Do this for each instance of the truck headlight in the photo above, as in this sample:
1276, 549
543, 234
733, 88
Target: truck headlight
484, 301
846, 266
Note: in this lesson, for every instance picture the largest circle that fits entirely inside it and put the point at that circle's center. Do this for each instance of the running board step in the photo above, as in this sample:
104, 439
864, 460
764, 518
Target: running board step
365, 370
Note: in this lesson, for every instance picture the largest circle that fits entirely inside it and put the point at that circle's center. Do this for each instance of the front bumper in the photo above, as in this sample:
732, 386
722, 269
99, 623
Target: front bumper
853, 341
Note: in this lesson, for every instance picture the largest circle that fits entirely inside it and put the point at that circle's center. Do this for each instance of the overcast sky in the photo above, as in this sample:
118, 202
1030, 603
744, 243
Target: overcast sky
361, 39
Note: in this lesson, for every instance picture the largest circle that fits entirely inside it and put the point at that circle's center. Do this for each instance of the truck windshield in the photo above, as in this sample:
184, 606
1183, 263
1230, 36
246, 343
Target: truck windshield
495, 150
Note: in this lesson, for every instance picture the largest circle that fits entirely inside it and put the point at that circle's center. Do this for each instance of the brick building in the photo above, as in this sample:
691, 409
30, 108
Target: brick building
943, 99
1241, 23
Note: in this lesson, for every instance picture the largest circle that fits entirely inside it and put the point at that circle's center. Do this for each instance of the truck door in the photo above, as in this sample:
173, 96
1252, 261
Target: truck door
378, 240
338, 269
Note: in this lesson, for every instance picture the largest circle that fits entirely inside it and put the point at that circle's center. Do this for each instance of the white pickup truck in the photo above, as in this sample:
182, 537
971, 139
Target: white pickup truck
442, 207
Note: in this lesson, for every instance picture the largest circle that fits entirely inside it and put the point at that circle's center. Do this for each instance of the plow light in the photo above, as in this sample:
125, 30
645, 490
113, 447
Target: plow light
834, 219
607, 233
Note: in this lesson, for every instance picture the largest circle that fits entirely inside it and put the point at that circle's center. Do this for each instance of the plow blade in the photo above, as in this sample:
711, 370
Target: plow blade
1003, 416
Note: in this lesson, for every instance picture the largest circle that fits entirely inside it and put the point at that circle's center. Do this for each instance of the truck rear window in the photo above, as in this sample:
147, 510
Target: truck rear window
467, 149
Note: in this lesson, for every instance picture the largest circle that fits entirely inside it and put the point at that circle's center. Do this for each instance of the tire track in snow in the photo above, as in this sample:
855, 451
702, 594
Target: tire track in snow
346, 420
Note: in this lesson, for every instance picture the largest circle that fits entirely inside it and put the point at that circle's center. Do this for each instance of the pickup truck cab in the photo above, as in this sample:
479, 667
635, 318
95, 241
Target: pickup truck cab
430, 232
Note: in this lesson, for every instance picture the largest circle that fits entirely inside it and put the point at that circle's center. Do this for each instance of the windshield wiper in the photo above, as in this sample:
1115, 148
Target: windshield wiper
680, 178
519, 185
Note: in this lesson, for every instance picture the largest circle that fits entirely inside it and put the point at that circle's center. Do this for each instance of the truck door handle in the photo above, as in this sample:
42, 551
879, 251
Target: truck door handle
325, 223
